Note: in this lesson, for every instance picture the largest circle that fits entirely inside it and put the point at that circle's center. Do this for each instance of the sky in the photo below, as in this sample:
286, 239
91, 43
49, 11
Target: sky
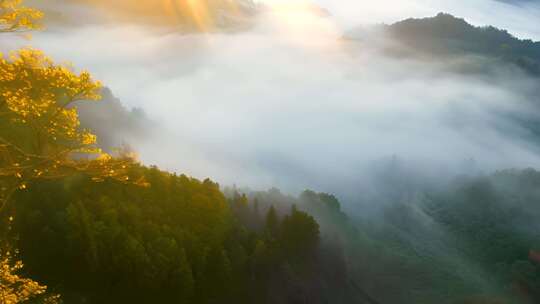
288, 103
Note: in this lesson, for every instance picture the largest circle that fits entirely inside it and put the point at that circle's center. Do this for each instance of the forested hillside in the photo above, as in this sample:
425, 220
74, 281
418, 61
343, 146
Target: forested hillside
178, 240
184, 240
472, 240
114, 124
448, 36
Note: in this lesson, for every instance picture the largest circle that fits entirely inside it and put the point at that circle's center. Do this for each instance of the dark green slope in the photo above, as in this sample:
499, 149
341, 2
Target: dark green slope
445, 36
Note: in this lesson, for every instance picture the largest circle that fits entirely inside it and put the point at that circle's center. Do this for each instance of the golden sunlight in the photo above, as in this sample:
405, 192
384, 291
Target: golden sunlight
199, 11
203, 15
304, 24
299, 15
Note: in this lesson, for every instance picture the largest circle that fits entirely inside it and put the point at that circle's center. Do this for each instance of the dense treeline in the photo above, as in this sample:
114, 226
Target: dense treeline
474, 239
183, 240
175, 241
331, 278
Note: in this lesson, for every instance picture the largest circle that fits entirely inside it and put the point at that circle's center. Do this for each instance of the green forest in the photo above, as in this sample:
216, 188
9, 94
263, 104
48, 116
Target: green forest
182, 240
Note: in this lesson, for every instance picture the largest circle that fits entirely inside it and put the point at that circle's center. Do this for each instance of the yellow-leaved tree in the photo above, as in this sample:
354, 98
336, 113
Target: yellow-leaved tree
14, 17
17, 289
40, 134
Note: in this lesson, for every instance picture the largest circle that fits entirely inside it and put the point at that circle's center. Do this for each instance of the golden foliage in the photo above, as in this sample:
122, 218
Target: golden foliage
14, 17
17, 106
36, 93
17, 289
40, 134
199, 15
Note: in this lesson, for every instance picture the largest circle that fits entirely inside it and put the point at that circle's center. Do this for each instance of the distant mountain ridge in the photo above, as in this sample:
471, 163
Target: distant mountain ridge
447, 35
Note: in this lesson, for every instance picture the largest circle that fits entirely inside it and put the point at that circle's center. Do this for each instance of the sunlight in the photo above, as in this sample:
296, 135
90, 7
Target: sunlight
298, 15
304, 23
200, 13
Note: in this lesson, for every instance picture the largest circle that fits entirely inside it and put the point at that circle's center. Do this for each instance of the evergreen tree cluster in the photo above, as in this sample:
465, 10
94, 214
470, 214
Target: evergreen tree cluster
179, 240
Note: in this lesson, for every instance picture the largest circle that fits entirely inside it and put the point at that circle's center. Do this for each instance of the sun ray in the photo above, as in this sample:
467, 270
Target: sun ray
173, 11
199, 11
202, 15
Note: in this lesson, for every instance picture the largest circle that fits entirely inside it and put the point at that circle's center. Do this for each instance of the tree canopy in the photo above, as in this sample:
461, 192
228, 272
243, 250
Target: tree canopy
14, 17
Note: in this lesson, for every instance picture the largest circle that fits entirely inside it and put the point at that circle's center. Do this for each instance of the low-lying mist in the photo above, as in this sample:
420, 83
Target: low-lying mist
290, 103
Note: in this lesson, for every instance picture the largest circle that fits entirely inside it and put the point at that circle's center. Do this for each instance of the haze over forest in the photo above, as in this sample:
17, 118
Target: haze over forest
300, 151
280, 127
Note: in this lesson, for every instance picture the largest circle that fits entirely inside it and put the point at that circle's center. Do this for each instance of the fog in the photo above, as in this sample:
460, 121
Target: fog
289, 103
518, 16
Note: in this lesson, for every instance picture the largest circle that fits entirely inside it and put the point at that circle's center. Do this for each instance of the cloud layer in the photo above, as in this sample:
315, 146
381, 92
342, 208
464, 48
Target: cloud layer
290, 104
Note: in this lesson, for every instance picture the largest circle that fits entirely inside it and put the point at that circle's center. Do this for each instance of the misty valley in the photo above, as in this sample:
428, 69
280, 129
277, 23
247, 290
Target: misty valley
272, 151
